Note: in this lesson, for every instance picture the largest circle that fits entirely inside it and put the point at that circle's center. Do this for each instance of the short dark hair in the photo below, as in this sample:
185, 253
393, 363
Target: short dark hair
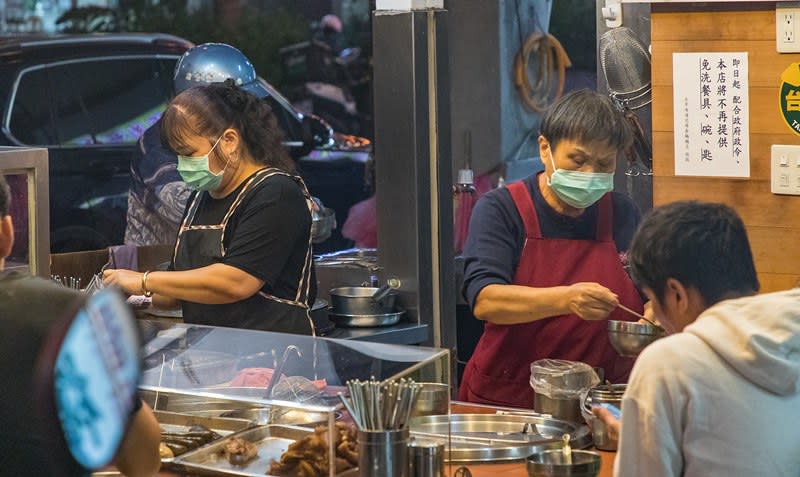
703, 245
586, 116
5, 197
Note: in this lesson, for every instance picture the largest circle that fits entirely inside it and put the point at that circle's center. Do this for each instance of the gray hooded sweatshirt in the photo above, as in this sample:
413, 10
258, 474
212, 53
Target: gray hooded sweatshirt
722, 398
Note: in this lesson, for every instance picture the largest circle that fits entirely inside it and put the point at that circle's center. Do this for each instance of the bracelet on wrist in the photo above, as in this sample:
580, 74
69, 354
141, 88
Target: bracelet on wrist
145, 291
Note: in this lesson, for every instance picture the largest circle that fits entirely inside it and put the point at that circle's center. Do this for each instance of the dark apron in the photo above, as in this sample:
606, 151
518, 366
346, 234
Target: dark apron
499, 370
198, 246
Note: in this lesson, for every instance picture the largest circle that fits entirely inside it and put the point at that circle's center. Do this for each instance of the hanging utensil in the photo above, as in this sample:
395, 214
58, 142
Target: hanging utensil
276, 376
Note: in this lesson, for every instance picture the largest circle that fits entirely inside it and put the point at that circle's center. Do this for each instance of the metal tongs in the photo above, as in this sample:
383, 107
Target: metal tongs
276, 375
96, 283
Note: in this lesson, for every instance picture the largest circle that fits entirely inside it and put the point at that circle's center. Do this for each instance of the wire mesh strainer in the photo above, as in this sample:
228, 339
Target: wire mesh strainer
625, 63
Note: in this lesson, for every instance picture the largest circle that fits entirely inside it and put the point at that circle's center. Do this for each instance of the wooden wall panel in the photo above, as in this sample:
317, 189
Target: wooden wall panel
773, 221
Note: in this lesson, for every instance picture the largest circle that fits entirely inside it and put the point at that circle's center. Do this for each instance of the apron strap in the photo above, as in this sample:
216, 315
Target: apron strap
186, 223
304, 285
605, 219
522, 199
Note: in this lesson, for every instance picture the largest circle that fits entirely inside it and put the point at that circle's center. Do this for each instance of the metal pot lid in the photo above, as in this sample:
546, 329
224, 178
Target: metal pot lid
495, 437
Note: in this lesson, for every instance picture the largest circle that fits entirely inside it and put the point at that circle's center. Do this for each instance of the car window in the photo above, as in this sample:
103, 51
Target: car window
31, 116
101, 101
286, 121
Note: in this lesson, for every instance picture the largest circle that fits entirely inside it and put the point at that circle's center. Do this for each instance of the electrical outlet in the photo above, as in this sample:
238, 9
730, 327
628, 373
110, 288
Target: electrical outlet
787, 27
787, 15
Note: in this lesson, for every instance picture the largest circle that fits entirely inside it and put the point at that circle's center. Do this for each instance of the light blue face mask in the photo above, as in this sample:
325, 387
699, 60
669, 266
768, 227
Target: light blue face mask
579, 189
194, 170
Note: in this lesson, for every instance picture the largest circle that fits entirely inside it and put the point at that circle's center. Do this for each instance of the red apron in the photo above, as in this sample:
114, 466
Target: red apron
499, 370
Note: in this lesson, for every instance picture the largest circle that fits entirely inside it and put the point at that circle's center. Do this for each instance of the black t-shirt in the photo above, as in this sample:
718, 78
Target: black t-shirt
267, 235
497, 234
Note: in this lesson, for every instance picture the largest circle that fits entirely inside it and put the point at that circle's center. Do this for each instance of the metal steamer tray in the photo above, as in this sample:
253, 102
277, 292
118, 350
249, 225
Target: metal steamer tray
180, 423
272, 442
365, 321
498, 437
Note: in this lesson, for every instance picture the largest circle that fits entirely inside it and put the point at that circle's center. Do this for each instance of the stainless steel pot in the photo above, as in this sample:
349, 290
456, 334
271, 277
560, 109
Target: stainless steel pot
359, 301
568, 409
603, 394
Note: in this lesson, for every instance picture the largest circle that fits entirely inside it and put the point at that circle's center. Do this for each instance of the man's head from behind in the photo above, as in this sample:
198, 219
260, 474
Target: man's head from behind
689, 255
6, 225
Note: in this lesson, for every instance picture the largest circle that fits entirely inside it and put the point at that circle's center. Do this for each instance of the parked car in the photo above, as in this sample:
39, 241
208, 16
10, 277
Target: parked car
87, 99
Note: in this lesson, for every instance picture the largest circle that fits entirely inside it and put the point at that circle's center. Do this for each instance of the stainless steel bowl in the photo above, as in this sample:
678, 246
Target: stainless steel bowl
358, 301
552, 463
433, 400
629, 338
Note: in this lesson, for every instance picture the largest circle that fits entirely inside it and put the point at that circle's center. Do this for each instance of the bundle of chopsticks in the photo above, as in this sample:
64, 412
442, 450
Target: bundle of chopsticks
377, 406
67, 281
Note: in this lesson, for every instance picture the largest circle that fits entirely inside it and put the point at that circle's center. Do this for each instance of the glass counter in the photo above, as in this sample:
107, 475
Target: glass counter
215, 371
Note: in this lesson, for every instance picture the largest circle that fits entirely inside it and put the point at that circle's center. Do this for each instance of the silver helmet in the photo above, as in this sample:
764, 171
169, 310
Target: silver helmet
215, 63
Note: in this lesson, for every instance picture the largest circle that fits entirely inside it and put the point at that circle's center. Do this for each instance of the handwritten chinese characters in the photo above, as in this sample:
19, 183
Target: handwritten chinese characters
711, 114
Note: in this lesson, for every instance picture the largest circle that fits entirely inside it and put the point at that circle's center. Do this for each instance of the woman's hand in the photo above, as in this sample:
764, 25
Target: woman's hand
128, 281
612, 423
591, 301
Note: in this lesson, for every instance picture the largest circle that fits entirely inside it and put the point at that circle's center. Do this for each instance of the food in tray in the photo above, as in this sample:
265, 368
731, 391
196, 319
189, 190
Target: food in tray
260, 378
178, 443
165, 452
239, 451
308, 457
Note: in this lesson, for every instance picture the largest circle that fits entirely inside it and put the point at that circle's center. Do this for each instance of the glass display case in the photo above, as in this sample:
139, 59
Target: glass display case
218, 372
26, 172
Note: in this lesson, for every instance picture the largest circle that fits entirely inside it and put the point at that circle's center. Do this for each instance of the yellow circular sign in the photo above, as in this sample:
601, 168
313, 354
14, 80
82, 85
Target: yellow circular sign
789, 97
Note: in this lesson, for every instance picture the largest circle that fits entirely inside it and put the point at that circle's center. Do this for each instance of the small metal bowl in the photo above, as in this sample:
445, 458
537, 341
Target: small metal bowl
433, 400
629, 338
551, 463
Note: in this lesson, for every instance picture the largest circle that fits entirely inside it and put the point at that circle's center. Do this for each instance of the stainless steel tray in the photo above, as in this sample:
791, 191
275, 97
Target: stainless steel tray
365, 321
272, 441
179, 423
492, 437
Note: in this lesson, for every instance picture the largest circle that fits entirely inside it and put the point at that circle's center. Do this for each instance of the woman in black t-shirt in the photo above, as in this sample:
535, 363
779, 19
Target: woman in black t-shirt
243, 252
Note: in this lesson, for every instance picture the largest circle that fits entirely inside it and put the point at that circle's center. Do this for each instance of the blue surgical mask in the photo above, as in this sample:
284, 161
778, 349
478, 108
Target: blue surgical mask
196, 172
579, 189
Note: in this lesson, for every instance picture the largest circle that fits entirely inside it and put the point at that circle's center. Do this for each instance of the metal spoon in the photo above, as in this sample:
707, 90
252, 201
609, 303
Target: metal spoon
639, 315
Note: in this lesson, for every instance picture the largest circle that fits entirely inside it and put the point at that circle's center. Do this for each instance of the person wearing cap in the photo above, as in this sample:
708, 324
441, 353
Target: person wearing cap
29, 308
719, 396
329, 33
157, 196
544, 257
243, 256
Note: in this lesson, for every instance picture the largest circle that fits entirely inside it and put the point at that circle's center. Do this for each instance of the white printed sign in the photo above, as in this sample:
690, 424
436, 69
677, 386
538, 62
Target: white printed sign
711, 107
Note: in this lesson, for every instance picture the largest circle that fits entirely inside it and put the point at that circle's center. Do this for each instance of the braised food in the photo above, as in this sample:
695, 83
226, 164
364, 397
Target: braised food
308, 457
239, 451
181, 442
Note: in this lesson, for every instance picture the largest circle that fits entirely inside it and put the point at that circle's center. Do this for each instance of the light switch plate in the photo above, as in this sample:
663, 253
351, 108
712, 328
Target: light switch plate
785, 169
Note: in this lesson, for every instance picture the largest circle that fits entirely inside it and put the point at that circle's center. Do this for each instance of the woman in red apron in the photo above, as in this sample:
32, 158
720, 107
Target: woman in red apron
543, 262
242, 257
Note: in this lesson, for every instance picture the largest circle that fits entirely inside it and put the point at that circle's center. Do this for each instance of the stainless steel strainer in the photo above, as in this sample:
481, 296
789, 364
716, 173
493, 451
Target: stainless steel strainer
625, 63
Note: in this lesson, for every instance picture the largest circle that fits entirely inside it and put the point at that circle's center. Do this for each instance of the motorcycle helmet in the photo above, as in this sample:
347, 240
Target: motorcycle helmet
215, 63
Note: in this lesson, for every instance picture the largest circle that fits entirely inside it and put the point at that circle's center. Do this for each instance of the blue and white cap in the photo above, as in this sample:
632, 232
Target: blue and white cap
215, 63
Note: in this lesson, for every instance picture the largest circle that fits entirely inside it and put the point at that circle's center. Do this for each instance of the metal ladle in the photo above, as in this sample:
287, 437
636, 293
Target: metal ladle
382, 292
